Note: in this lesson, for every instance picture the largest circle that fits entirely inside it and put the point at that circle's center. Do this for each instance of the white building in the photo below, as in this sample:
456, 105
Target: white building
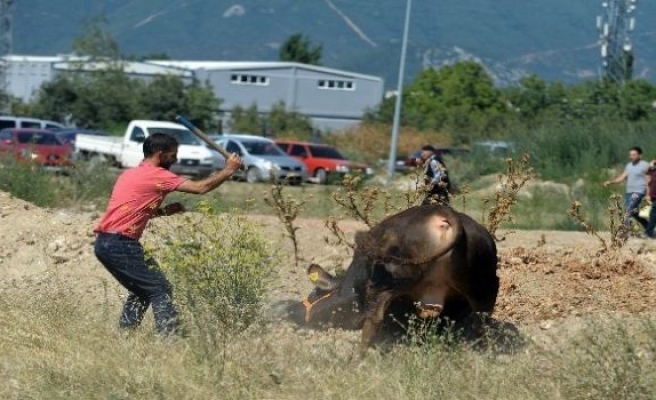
332, 98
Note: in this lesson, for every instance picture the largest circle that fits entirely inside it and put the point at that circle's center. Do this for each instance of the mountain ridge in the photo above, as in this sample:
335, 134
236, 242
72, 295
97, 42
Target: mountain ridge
555, 39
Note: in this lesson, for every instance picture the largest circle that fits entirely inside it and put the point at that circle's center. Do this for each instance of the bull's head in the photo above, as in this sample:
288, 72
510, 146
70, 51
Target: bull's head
329, 304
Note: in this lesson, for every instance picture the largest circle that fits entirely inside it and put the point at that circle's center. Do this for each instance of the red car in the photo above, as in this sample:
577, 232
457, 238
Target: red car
39, 146
322, 160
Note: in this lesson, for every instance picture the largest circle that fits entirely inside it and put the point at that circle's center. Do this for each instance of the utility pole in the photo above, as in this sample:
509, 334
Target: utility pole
615, 26
399, 96
6, 14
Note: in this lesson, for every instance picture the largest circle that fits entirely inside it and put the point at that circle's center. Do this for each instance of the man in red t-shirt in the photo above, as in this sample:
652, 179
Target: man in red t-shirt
136, 198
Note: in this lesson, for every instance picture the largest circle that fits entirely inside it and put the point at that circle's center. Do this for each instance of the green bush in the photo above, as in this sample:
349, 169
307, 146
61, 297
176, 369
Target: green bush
86, 183
565, 152
220, 266
28, 182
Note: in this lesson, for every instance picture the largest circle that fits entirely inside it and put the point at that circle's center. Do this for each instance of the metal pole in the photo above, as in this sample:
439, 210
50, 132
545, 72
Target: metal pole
399, 96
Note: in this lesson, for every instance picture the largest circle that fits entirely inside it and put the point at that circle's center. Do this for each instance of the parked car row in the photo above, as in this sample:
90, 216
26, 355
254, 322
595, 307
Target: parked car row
55, 147
294, 161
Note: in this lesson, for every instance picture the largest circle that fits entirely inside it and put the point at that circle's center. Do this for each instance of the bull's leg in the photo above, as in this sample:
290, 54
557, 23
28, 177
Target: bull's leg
374, 318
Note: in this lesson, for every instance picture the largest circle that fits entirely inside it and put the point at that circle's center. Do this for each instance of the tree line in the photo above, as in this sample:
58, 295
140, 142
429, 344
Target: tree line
462, 99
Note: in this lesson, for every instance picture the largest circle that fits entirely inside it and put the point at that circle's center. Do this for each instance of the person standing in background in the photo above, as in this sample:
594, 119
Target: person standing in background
635, 174
436, 177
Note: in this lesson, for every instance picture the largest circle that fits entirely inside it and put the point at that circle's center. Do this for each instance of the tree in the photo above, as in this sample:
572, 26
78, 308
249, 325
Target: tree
167, 96
201, 104
297, 48
55, 99
96, 41
279, 122
246, 121
5, 100
282, 122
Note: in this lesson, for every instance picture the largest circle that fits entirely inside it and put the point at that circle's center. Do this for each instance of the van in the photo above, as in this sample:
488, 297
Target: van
9, 121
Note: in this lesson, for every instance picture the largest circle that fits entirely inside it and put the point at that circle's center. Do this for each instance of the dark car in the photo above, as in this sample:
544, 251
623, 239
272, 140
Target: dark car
39, 146
409, 162
68, 135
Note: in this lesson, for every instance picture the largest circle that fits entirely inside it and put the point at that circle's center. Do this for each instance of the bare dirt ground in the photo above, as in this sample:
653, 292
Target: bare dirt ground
546, 276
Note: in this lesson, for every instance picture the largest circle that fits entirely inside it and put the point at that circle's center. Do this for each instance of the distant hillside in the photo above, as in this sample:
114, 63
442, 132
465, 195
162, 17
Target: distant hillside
555, 39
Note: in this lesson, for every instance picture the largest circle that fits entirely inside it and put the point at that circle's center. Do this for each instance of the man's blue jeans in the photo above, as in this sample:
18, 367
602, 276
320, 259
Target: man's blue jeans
124, 258
632, 208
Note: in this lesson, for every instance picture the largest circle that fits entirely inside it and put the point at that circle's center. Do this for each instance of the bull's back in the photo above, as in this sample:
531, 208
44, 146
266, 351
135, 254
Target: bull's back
474, 265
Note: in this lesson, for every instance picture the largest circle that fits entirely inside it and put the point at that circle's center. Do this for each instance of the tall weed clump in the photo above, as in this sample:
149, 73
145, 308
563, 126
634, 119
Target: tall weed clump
27, 181
88, 182
561, 151
220, 268
85, 183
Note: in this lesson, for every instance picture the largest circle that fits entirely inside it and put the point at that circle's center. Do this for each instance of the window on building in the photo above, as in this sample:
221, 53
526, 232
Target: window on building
243, 79
335, 84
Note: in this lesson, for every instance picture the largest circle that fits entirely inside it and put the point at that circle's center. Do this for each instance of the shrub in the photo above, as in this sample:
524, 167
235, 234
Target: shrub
27, 181
220, 266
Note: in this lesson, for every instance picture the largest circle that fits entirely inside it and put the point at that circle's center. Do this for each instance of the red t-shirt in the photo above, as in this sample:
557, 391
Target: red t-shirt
138, 192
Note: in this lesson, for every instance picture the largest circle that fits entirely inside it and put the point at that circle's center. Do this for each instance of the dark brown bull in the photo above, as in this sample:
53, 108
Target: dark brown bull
437, 260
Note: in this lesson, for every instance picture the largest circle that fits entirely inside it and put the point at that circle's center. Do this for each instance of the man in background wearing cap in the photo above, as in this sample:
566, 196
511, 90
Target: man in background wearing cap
435, 177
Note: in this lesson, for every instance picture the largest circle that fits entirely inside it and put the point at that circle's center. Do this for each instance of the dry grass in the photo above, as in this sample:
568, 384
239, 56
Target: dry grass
516, 175
58, 345
358, 141
286, 209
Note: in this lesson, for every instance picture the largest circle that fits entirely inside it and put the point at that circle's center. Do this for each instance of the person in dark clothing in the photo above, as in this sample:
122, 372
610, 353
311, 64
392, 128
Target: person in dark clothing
136, 198
436, 177
651, 199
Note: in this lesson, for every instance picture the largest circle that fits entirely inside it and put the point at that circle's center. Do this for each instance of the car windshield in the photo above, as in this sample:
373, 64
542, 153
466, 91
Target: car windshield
183, 136
39, 138
326, 152
262, 148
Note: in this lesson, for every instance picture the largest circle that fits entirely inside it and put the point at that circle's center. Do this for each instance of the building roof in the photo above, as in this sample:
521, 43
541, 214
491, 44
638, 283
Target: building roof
129, 67
42, 59
174, 67
254, 65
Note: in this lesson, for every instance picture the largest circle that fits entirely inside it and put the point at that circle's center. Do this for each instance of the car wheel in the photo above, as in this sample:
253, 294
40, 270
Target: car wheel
252, 175
321, 176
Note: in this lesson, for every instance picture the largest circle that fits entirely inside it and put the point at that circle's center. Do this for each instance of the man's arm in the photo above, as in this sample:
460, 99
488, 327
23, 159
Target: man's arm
619, 179
212, 182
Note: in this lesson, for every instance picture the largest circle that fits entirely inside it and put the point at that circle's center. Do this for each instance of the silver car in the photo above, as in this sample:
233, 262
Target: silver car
263, 159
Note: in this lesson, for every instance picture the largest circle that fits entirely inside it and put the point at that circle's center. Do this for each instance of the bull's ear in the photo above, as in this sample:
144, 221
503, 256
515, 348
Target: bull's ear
322, 279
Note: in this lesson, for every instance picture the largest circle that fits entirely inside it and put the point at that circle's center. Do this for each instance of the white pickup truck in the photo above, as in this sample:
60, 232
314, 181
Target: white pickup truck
194, 157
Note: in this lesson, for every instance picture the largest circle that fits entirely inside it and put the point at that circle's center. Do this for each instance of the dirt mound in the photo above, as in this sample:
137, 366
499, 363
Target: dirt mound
545, 284
562, 277
33, 239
